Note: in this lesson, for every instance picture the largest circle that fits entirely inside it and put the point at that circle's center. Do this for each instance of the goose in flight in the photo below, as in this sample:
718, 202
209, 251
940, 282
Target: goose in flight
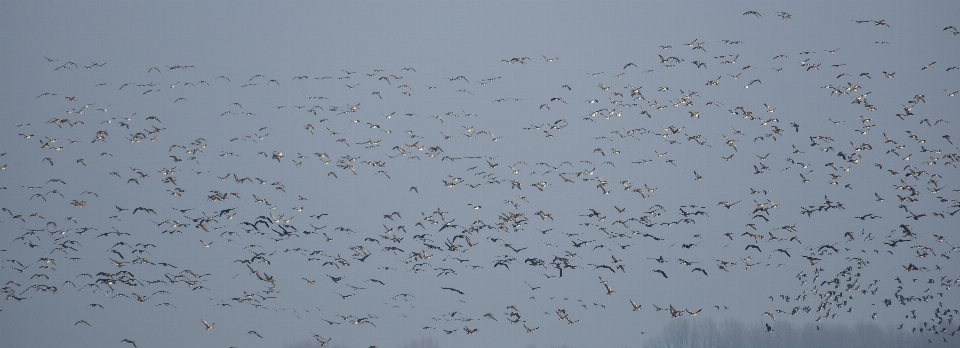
636, 307
207, 325
358, 321
609, 290
452, 289
323, 342
755, 13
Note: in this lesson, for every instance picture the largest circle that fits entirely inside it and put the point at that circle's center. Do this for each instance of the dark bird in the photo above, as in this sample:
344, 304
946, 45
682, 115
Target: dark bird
455, 290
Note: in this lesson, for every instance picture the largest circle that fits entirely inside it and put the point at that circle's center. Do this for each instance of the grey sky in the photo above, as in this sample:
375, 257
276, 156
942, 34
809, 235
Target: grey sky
356, 44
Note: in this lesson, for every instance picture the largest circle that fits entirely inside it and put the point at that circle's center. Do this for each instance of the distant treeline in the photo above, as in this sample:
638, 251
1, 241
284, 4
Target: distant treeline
732, 333
422, 342
707, 332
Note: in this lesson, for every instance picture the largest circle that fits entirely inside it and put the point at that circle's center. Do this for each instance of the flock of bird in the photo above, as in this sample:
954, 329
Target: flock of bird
603, 194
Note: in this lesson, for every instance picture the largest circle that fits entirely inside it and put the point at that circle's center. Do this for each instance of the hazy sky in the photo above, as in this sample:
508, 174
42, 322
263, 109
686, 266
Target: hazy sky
614, 127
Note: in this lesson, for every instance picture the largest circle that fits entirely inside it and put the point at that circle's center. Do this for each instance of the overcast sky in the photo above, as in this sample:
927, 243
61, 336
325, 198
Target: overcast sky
805, 148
